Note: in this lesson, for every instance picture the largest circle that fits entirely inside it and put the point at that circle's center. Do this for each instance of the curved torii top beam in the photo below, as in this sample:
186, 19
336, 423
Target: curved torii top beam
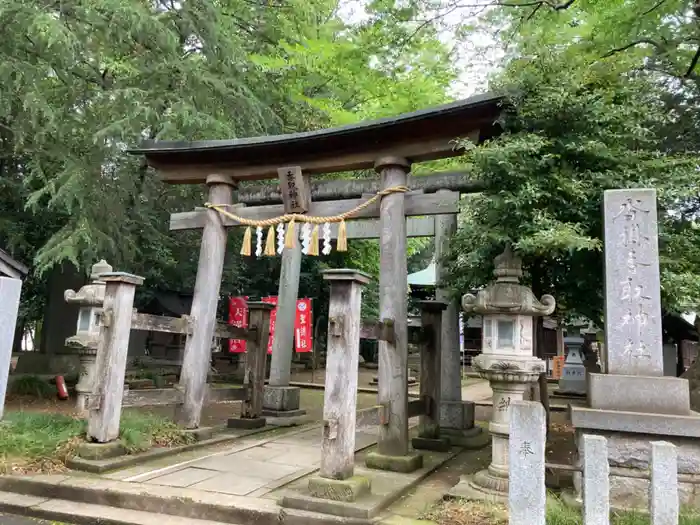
423, 135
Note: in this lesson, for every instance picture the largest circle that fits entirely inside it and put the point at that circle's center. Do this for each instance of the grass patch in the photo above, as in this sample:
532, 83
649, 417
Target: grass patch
141, 431
480, 513
41, 442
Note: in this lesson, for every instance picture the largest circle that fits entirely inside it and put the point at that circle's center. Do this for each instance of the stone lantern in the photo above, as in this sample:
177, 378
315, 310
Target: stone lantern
90, 299
508, 309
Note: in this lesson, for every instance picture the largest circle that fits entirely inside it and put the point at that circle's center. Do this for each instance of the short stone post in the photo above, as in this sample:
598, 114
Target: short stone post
596, 480
105, 403
336, 480
10, 291
663, 492
527, 496
430, 370
251, 412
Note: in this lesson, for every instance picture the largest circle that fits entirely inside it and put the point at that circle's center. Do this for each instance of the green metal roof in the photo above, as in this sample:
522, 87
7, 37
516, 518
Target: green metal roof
425, 277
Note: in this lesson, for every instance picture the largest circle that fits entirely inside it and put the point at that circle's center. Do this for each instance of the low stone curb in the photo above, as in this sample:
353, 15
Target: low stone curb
101, 466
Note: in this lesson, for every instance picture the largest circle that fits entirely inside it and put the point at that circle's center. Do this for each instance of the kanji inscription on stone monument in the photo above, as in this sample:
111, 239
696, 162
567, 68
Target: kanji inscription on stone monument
632, 283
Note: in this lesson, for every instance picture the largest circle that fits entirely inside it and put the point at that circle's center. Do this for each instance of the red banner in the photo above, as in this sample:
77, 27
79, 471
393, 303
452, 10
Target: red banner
273, 320
303, 326
237, 316
303, 323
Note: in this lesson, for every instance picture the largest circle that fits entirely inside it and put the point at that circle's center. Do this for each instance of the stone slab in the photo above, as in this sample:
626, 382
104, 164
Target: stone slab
403, 464
184, 478
635, 422
10, 290
101, 450
656, 395
471, 439
199, 434
281, 397
436, 444
246, 423
230, 483
387, 487
632, 283
339, 489
247, 468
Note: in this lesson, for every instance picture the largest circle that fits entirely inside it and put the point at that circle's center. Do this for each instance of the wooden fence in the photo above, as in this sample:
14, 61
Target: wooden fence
527, 493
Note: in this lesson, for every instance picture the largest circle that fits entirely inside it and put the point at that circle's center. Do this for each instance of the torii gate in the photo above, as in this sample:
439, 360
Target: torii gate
390, 146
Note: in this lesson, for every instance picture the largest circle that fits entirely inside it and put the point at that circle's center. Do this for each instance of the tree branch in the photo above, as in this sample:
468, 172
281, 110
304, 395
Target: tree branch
655, 6
631, 45
693, 63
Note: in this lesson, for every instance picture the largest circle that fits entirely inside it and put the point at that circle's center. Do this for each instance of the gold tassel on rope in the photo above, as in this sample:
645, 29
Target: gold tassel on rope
313, 246
289, 237
342, 237
247, 242
270, 242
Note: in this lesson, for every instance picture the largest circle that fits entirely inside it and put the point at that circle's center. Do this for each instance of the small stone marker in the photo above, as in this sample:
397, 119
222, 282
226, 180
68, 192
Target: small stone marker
10, 290
596, 481
527, 497
573, 378
632, 283
663, 493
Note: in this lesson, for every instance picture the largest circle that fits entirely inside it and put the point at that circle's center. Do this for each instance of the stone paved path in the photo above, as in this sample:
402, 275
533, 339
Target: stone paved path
255, 469
477, 391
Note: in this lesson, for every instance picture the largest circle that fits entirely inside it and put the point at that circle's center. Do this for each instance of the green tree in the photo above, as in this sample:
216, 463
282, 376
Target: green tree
572, 130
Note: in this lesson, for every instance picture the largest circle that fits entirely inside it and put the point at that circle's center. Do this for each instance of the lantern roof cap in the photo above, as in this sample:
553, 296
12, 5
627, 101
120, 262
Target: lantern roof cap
507, 295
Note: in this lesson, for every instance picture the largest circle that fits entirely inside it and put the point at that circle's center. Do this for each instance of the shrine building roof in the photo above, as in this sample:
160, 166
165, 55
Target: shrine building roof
427, 134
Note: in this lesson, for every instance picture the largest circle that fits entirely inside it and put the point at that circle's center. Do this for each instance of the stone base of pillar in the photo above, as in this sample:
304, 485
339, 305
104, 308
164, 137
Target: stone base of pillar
347, 490
485, 485
95, 451
470, 438
246, 423
457, 414
440, 444
281, 405
402, 464
628, 436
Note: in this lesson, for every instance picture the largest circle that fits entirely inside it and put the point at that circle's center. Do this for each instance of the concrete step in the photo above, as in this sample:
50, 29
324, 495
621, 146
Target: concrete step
60, 497
87, 513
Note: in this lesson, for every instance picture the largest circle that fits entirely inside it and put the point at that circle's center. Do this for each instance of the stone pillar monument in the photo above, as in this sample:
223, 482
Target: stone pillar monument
507, 361
633, 404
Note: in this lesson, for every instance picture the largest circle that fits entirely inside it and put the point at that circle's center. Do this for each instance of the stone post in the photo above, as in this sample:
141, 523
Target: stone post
105, 404
508, 309
252, 410
196, 360
393, 446
10, 291
527, 496
429, 435
336, 478
456, 415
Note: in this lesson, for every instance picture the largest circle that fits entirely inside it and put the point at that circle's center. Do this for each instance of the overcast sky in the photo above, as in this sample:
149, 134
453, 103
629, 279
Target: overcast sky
474, 56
